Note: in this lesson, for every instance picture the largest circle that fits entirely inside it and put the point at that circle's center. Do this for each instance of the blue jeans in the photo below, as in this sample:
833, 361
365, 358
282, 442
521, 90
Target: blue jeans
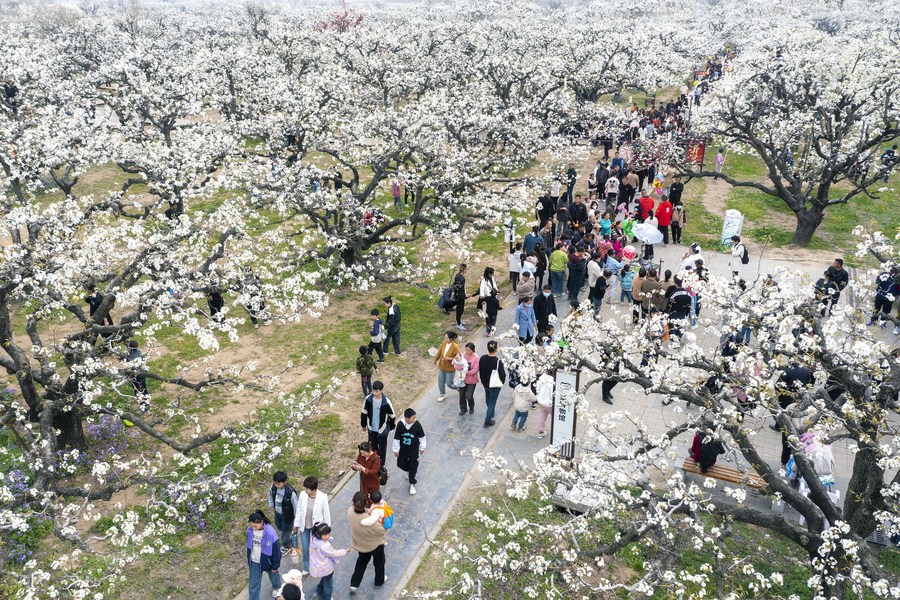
597, 303
443, 379
626, 294
519, 419
490, 398
304, 544
556, 281
744, 334
256, 580
324, 587
284, 528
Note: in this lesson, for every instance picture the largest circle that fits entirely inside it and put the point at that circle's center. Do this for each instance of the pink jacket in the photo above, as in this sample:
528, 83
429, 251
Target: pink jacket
472, 373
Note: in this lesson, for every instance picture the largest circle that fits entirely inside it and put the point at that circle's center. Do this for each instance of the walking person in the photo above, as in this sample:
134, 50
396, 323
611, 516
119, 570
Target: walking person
577, 272
263, 555
377, 419
94, 300
720, 162
135, 359
737, 252
312, 509
493, 376
376, 335
558, 262
545, 402
392, 326
443, 359
216, 304
283, 499
467, 390
515, 264
409, 445
571, 179
838, 275
368, 541
664, 217
887, 289
365, 366
367, 464
626, 280
526, 287
395, 193
679, 220
544, 306
487, 286
525, 321
323, 557
459, 295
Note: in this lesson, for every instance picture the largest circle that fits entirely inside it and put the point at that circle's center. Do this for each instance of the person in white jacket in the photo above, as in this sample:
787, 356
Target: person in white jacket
312, 508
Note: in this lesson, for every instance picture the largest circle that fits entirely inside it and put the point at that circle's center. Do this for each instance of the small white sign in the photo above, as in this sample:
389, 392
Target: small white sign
734, 222
562, 429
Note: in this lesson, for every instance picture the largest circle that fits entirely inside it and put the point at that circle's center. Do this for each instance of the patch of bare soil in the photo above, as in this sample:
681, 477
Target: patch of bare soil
714, 198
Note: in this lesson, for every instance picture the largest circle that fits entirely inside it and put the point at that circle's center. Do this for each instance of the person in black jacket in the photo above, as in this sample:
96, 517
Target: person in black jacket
578, 212
283, 499
545, 208
94, 299
392, 325
459, 295
544, 306
678, 307
377, 419
792, 379
838, 275
675, 191
487, 364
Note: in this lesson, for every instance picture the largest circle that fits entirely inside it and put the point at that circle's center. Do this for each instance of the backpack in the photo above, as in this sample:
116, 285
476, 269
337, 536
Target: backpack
388, 520
745, 257
382, 476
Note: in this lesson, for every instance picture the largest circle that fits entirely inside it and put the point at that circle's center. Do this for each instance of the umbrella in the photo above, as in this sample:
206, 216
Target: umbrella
647, 233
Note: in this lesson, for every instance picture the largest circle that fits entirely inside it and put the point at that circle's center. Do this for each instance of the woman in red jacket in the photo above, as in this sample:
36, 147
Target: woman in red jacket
664, 216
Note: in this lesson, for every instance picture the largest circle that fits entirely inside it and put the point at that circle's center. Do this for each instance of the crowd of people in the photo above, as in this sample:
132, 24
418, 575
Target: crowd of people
583, 251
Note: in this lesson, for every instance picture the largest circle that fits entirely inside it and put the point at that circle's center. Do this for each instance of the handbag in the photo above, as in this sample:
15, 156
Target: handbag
383, 476
495, 381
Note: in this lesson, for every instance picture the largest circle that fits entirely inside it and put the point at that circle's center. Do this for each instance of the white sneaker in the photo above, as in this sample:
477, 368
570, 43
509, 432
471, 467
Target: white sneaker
897, 330
412, 490
352, 590
441, 398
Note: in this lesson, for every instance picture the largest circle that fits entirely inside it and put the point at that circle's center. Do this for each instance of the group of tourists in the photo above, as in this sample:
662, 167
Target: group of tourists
302, 519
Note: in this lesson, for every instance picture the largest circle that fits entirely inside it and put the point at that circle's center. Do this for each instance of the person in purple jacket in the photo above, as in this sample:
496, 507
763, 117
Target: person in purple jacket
263, 553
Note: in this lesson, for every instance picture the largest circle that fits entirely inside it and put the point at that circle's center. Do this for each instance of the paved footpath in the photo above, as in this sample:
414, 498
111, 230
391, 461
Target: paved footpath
442, 470
448, 461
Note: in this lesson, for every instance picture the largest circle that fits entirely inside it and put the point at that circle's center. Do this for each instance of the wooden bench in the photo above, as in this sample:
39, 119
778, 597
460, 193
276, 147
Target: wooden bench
725, 474
650, 101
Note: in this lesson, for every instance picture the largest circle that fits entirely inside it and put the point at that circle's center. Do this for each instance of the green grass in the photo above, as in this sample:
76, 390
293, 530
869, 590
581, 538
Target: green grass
701, 225
739, 165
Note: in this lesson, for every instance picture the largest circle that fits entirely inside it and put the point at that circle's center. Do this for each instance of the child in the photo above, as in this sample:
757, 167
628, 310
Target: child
376, 511
263, 555
365, 365
491, 307
376, 336
523, 396
323, 558
461, 367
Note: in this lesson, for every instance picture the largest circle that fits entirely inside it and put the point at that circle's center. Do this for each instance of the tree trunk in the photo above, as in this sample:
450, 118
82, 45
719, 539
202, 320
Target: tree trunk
864, 492
71, 432
348, 256
807, 223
